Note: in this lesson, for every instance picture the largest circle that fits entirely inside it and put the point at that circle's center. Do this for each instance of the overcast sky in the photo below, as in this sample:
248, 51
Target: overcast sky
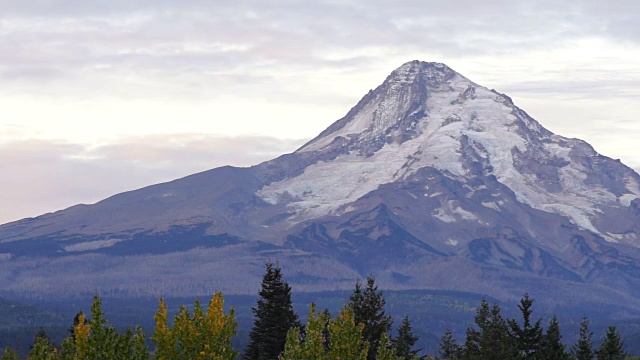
98, 97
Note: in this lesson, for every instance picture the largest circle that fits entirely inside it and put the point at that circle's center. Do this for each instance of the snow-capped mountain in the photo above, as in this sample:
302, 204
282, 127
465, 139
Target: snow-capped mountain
430, 182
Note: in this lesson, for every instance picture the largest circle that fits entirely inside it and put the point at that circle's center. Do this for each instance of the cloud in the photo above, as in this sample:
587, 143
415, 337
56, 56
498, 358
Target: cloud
41, 175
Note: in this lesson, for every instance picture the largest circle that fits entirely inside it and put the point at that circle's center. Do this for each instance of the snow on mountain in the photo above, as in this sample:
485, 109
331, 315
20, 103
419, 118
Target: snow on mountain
431, 181
453, 108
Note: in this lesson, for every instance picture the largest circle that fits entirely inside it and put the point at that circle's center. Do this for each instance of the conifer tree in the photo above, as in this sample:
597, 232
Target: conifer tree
527, 338
551, 347
449, 349
274, 316
43, 349
612, 347
9, 354
491, 341
405, 341
583, 349
140, 348
368, 309
100, 338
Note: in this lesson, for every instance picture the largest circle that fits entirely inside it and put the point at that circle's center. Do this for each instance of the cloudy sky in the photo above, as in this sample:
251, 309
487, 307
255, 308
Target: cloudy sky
99, 97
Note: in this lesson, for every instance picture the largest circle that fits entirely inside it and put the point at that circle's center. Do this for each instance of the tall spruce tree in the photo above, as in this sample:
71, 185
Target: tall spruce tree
368, 309
528, 337
449, 349
405, 341
551, 347
274, 316
583, 349
612, 347
491, 341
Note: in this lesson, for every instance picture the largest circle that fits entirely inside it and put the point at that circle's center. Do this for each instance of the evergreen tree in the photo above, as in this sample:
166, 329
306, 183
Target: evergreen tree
527, 338
42, 349
42, 336
405, 341
583, 349
100, 338
612, 346
491, 341
551, 347
368, 309
140, 350
9, 354
274, 316
449, 349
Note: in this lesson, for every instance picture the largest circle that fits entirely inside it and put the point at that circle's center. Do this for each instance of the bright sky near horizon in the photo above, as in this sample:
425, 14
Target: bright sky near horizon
100, 97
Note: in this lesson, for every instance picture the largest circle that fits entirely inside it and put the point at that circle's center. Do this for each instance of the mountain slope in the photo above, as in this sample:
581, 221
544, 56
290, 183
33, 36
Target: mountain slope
430, 181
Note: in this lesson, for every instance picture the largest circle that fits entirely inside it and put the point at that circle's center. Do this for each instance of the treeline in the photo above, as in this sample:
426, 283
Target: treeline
361, 331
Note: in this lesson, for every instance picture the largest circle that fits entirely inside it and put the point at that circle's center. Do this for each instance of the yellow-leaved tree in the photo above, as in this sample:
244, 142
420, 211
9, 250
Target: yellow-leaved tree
203, 335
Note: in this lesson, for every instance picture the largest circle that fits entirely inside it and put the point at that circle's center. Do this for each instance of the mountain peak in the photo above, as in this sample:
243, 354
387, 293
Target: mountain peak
421, 72
430, 178
391, 112
425, 115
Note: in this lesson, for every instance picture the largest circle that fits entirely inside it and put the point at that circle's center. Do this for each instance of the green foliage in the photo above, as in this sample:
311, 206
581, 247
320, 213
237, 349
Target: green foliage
551, 347
273, 317
449, 349
345, 339
368, 309
583, 349
43, 350
313, 347
612, 347
528, 337
491, 341
386, 350
9, 355
405, 341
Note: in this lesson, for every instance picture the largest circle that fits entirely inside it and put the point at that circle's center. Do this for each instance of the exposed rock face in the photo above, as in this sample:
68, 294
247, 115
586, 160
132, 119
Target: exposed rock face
430, 181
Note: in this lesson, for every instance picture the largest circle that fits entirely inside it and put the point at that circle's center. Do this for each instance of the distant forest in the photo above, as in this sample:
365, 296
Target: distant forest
362, 330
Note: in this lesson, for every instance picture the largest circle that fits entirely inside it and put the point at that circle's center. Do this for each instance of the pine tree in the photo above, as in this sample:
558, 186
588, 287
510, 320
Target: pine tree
491, 341
528, 337
42, 349
551, 347
405, 341
449, 349
100, 338
368, 309
274, 316
583, 349
140, 348
612, 347
9, 354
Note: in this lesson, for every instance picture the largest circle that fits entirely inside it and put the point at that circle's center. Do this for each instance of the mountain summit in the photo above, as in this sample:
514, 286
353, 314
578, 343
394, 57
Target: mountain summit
430, 182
